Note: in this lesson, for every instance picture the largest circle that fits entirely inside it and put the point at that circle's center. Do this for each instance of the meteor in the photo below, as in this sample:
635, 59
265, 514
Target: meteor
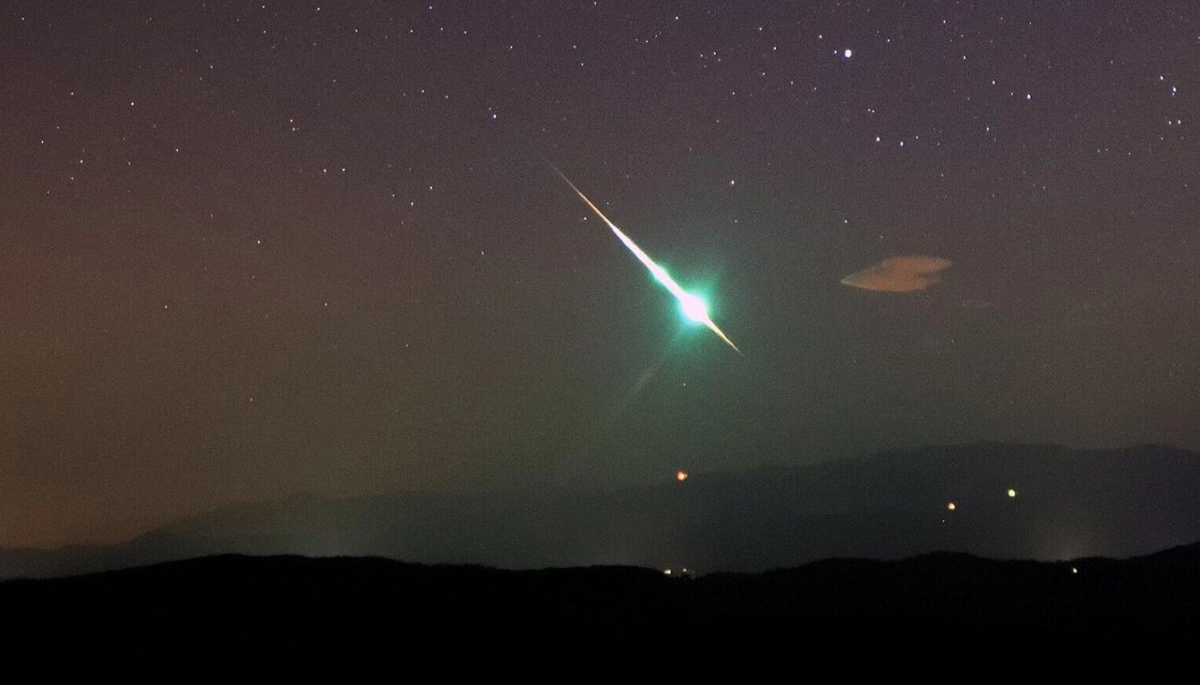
693, 306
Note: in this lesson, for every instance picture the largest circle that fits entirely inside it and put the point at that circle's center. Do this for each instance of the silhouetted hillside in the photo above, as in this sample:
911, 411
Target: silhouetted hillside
949, 614
1068, 503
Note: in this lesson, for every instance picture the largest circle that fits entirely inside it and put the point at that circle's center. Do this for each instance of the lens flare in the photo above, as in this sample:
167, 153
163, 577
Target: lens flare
694, 307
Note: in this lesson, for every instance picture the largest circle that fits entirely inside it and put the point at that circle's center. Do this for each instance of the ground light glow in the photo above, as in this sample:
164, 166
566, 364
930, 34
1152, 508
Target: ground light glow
694, 307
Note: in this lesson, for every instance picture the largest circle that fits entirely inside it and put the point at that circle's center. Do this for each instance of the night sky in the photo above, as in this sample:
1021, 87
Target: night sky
249, 250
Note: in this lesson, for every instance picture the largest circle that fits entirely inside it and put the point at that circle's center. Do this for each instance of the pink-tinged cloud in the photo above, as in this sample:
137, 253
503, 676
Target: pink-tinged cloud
899, 274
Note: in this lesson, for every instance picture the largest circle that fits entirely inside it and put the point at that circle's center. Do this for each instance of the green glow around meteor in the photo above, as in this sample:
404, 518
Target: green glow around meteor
694, 306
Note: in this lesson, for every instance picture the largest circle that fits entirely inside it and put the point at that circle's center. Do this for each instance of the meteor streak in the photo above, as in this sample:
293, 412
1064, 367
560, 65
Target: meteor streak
693, 305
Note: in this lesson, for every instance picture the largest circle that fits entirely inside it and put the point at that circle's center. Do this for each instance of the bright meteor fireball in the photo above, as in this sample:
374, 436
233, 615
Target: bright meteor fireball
694, 306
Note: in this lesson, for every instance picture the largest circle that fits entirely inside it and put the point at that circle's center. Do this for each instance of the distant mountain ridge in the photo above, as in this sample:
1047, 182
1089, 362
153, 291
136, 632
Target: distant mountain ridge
1068, 504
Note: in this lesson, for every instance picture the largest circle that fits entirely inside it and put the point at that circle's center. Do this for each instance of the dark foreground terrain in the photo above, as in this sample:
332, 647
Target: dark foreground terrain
944, 615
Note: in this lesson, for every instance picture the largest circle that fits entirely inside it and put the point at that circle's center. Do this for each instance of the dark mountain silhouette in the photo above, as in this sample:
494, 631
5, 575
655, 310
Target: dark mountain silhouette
1068, 504
946, 614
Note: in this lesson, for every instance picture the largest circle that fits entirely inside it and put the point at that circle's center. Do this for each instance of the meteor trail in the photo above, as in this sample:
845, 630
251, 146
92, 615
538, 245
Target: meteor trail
693, 305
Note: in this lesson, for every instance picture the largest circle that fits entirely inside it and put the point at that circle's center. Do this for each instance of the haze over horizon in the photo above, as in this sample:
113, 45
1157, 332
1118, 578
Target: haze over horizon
991, 500
250, 250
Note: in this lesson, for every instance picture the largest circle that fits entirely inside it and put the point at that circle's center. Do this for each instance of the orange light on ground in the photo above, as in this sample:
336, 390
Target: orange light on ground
681, 476
951, 506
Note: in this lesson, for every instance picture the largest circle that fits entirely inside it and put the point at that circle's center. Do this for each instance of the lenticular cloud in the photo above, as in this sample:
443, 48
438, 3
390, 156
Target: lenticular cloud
899, 274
